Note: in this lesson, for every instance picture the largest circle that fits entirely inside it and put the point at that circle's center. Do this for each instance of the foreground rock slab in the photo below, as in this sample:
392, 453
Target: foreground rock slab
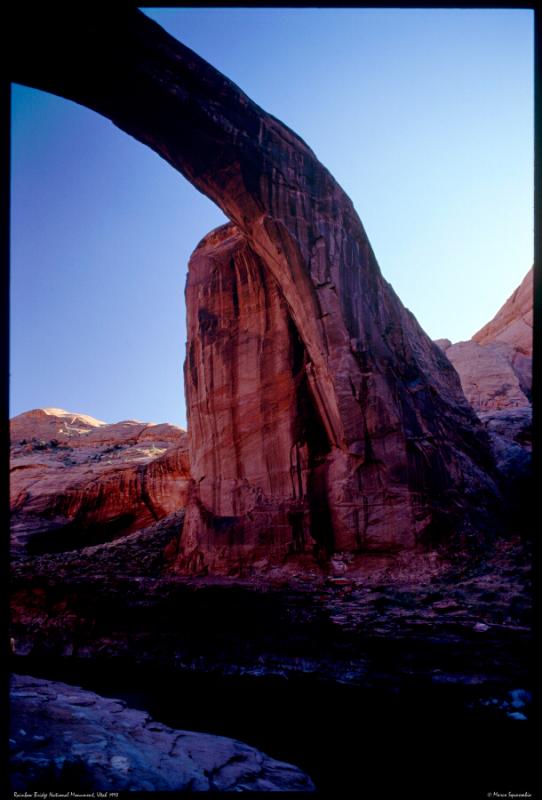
63, 737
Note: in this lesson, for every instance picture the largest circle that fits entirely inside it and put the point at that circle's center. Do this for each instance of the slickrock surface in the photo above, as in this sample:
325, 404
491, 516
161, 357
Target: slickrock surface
394, 455
76, 481
513, 323
63, 737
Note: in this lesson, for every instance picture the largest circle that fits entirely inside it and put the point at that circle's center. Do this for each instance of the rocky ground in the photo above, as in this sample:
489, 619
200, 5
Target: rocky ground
89, 606
64, 737
308, 667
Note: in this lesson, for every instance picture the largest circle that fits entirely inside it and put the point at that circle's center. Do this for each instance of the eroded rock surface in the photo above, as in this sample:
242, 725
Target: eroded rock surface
271, 478
76, 481
396, 456
253, 453
63, 737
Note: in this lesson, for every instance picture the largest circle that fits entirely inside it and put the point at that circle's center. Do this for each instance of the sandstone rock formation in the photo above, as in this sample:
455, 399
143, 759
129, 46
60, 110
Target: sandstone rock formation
513, 323
493, 375
495, 366
271, 477
65, 738
383, 450
511, 436
76, 481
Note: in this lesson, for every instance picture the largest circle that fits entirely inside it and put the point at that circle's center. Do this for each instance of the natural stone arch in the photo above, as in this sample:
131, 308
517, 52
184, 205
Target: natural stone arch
405, 457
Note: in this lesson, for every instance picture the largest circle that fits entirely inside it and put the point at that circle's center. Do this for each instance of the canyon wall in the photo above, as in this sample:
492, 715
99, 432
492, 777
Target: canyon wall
258, 450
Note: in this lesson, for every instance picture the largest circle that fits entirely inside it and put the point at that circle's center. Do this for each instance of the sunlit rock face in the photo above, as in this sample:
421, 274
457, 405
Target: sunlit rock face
494, 376
495, 366
513, 323
75, 480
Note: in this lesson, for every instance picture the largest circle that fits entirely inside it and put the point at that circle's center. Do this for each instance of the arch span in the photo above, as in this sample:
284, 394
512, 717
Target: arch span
392, 450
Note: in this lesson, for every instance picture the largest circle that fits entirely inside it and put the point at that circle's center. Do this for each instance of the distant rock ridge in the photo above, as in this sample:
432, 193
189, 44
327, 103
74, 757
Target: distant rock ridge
495, 366
513, 323
77, 481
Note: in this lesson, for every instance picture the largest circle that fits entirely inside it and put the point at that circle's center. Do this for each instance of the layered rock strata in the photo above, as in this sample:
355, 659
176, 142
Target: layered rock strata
75, 480
66, 738
386, 450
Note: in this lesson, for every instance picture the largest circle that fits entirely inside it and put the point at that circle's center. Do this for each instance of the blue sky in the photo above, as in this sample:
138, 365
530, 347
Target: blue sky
424, 117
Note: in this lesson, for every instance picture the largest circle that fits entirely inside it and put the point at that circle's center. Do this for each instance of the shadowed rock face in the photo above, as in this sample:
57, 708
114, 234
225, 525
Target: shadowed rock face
366, 412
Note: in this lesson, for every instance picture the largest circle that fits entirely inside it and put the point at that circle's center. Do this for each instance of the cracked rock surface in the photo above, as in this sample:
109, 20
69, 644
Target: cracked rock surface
63, 737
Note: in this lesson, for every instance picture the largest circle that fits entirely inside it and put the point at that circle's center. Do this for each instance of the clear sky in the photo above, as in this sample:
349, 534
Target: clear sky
424, 117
